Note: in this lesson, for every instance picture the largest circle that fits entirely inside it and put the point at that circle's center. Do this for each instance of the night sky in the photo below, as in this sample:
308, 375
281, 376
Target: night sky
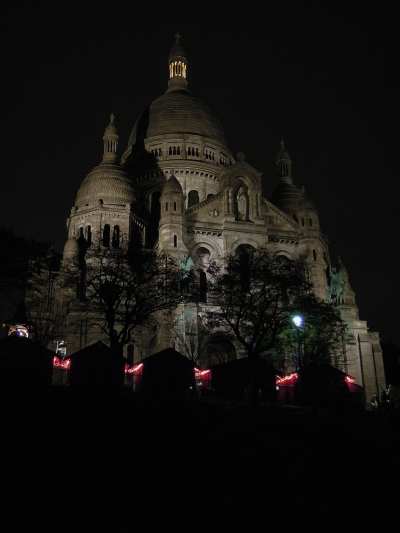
324, 78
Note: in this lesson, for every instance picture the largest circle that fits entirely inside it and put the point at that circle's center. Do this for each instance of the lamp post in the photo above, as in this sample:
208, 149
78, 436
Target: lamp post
298, 321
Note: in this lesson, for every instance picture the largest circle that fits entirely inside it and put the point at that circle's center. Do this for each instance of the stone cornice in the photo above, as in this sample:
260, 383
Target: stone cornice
215, 232
283, 239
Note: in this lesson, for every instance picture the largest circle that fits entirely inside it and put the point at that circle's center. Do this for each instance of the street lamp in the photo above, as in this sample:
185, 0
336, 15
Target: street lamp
298, 321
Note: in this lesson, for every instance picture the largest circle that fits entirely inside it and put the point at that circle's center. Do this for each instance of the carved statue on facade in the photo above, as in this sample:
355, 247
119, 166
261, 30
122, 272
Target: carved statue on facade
185, 269
242, 203
337, 285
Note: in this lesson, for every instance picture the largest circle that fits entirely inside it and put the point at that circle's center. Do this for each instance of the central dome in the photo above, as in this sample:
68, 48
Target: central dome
177, 112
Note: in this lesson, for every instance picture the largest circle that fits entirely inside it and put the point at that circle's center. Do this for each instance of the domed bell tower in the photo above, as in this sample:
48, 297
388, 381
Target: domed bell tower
295, 203
102, 215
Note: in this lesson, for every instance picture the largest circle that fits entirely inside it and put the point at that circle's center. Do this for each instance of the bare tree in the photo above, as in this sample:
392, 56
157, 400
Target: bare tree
258, 296
255, 295
43, 311
123, 290
190, 332
320, 336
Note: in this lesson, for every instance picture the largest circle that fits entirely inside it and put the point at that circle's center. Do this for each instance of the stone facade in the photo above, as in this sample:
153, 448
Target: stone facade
179, 188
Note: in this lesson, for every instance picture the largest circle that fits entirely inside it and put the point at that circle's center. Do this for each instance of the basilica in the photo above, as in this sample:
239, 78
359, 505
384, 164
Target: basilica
178, 188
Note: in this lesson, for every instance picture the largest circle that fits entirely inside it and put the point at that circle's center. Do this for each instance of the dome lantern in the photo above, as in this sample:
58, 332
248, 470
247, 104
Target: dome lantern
178, 66
284, 164
110, 139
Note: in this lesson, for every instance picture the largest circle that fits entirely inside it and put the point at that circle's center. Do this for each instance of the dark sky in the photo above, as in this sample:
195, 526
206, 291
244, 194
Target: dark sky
323, 77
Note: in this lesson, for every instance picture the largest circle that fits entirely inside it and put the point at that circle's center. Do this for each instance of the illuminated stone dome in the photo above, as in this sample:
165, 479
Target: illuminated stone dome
177, 112
107, 181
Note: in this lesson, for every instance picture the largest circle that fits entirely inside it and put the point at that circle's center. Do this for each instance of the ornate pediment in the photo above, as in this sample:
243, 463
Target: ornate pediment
210, 209
277, 218
240, 171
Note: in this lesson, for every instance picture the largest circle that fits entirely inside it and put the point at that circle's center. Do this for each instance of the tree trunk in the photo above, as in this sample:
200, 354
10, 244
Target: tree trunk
117, 363
253, 381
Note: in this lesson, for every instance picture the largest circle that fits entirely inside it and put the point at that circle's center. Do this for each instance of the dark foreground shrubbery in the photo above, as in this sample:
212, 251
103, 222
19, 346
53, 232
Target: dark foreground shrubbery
109, 453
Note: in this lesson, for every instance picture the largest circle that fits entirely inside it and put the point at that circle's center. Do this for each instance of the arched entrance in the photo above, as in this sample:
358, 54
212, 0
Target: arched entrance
218, 350
202, 262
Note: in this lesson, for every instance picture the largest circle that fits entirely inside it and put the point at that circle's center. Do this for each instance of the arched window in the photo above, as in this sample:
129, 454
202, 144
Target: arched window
210, 196
88, 235
170, 151
202, 258
178, 150
81, 236
106, 235
116, 237
283, 259
175, 241
193, 198
218, 350
174, 206
314, 255
166, 206
242, 203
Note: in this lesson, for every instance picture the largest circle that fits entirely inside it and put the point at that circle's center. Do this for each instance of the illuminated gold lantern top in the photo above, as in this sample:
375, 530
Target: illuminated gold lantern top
178, 66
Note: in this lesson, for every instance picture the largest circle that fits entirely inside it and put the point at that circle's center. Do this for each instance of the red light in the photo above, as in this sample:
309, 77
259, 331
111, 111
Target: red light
136, 369
201, 373
64, 364
202, 377
287, 380
349, 379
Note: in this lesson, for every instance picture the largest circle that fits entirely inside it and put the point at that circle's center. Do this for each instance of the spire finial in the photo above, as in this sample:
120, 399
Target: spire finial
284, 163
110, 139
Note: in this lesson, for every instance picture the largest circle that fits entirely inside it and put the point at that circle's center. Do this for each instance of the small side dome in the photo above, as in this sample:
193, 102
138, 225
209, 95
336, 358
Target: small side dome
107, 181
287, 197
71, 249
172, 186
